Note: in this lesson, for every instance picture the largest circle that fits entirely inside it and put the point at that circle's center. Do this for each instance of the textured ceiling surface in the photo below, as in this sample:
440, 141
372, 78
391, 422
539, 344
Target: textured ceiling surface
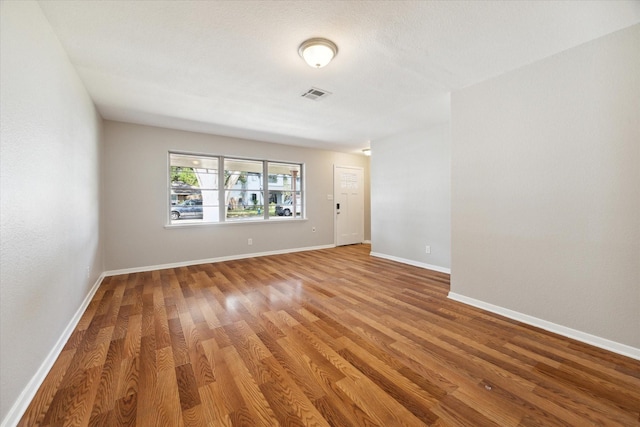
232, 67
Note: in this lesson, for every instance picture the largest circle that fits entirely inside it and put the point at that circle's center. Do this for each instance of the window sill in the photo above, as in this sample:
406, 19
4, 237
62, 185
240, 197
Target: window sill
233, 223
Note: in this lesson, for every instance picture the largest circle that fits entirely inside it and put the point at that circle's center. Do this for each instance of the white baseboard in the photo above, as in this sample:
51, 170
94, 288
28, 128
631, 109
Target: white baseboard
411, 262
22, 402
584, 337
212, 260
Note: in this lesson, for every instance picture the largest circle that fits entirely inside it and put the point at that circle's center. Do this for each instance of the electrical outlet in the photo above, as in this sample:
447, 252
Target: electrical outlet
88, 271
250, 242
428, 249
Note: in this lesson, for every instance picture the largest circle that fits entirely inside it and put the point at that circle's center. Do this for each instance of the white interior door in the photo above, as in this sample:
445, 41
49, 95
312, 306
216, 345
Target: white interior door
349, 205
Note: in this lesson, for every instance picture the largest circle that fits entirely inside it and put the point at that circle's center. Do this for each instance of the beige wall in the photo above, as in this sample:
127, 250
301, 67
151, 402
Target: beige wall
135, 199
411, 197
546, 189
50, 182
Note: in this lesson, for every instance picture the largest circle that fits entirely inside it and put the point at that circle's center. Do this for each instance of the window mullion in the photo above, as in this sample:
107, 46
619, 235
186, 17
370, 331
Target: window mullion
222, 190
265, 188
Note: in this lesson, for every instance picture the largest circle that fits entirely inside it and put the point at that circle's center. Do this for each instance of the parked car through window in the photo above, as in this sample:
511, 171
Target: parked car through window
188, 209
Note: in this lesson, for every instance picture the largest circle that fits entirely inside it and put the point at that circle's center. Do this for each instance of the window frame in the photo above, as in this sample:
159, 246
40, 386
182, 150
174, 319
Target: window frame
266, 217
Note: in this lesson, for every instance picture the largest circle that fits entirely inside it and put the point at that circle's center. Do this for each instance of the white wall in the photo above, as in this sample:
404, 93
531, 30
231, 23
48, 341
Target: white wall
135, 199
546, 189
50, 167
411, 197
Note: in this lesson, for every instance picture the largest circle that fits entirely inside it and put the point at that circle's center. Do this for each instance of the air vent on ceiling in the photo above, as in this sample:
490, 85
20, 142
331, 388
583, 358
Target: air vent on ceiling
316, 94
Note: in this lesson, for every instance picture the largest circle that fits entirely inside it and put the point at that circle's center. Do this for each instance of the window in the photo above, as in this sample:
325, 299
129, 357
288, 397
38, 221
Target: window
249, 190
244, 189
286, 192
194, 188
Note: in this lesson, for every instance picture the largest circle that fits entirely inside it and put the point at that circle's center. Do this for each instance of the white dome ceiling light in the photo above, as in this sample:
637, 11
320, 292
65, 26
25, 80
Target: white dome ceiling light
318, 52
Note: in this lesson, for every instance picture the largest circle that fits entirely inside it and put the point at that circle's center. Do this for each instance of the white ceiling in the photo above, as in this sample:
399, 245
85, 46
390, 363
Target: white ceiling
232, 67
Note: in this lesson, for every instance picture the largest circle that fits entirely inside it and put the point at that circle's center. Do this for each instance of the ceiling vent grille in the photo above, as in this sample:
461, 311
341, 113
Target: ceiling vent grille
316, 94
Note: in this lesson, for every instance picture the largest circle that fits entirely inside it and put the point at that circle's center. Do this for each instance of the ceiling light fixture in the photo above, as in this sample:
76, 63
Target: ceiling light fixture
318, 52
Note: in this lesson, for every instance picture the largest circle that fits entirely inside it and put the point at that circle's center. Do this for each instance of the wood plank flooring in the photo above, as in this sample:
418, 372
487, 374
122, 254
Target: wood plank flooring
324, 338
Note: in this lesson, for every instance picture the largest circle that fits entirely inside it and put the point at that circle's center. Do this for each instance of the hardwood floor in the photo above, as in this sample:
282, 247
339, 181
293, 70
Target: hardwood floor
324, 338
